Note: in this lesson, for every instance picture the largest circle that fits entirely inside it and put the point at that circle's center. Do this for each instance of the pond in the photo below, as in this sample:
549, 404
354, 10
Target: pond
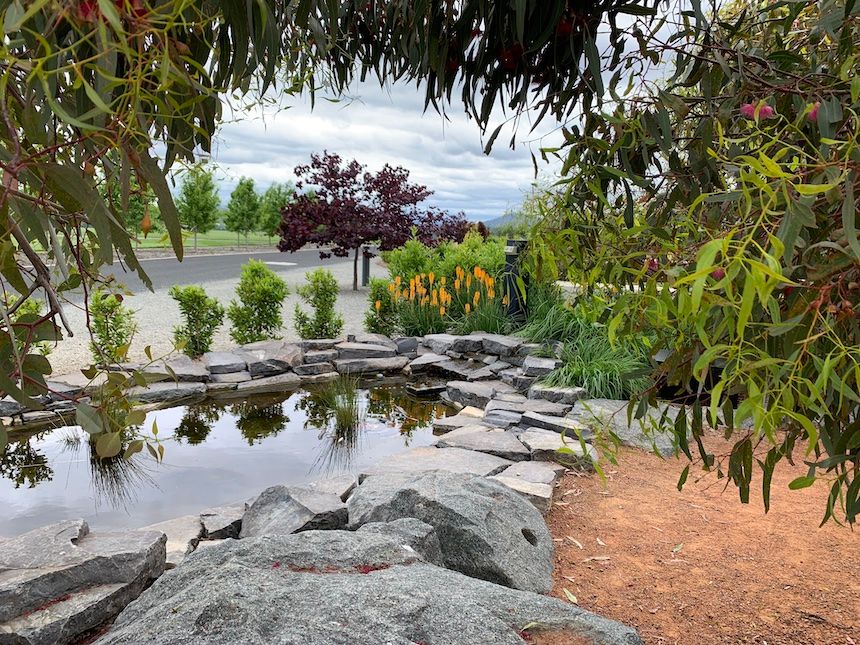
219, 452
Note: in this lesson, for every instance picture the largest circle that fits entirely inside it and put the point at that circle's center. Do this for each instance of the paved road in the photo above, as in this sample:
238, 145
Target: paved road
200, 269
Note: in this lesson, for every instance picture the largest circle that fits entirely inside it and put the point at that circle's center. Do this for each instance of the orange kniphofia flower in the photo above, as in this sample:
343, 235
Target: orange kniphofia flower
457, 285
476, 298
506, 300
378, 305
491, 294
441, 311
434, 300
431, 276
469, 281
443, 280
468, 308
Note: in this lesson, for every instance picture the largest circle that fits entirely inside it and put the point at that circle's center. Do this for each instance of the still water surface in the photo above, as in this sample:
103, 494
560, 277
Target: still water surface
219, 453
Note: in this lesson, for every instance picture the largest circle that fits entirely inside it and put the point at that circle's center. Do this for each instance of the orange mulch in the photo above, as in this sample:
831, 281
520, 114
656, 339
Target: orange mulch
699, 567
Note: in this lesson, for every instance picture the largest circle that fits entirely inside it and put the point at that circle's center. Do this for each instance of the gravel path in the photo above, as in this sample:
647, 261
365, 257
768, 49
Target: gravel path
157, 315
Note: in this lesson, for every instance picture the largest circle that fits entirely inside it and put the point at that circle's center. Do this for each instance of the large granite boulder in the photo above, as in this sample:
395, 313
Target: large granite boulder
276, 383
59, 581
225, 362
222, 522
567, 395
166, 392
280, 510
485, 530
476, 393
547, 445
271, 357
341, 588
651, 432
183, 535
441, 343
499, 345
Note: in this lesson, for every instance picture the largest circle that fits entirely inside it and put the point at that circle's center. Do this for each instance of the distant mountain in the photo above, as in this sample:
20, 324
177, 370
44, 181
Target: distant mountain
496, 222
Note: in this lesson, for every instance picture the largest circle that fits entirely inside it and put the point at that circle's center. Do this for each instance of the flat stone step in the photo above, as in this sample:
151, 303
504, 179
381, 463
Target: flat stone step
538, 366
453, 460
493, 441
557, 424
528, 405
565, 395
371, 365
538, 494
447, 424
546, 445
363, 350
536, 472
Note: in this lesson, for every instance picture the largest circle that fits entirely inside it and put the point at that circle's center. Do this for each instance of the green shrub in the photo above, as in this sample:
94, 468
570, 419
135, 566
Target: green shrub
381, 316
415, 258
28, 312
320, 293
257, 315
202, 315
411, 259
113, 327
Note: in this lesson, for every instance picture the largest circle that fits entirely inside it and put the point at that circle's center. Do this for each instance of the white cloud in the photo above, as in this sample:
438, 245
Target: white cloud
386, 126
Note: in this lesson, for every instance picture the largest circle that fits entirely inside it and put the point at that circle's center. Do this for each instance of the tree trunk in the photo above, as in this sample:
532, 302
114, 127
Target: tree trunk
355, 270
195, 239
238, 240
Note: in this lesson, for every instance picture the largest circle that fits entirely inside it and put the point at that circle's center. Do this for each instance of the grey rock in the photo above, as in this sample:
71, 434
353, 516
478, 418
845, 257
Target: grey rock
224, 362
545, 445
536, 472
537, 366
318, 344
271, 357
490, 359
426, 458
340, 485
527, 349
485, 531
523, 383
183, 534
447, 424
415, 534
454, 355
477, 394
39, 417
320, 356
231, 377
463, 370
313, 368
425, 361
646, 433
508, 375
528, 405
497, 366
280, 510
214, 389
566, 395
500, 345
502, 418
181, 368
166, 392
425, 390
540, 495
375, 339
319, 378
277, 383
363, 350
570, 427
58, 391
441, 343
222, 522
59, 581
407, 344
493, 441
234, 593
374, 365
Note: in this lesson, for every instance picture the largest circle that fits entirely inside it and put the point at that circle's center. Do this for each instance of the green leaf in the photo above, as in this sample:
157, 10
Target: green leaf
4, 437
89, 419
849, 216
683, 478
801, 482
167, 207
570, 596
109, 444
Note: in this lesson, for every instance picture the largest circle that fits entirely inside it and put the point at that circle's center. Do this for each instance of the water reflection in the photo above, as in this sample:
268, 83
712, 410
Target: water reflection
24, 465
115, 480
216, 452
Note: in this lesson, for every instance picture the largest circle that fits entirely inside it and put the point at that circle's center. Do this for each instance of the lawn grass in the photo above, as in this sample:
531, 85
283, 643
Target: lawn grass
210, 240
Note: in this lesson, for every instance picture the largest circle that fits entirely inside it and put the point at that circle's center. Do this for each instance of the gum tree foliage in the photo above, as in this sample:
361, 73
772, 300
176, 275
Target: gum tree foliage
243, 209
728, 194
351, 207
197, 203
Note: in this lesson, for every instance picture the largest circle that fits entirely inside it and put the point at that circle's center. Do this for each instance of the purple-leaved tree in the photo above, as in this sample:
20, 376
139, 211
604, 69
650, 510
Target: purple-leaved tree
345, 207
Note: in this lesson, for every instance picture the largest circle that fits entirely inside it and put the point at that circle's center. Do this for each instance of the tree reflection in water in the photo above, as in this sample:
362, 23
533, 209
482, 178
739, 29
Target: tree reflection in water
25, 465
259, 418
115, 480
394, 408
197, 422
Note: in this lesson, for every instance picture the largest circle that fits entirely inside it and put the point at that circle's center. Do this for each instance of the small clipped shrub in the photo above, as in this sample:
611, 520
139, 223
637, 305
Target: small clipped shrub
381, 316
320, 293
201, 315
113, 327
257, 314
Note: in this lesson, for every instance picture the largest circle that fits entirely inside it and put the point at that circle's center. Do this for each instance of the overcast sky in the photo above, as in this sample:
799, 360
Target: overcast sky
386, 126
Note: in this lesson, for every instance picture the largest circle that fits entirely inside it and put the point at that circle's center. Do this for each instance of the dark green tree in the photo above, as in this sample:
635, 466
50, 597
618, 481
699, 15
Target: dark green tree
198, 200
273, 200
243, 209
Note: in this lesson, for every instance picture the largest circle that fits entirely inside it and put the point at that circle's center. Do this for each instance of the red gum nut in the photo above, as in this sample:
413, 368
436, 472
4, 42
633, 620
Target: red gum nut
564, 28
718, 274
